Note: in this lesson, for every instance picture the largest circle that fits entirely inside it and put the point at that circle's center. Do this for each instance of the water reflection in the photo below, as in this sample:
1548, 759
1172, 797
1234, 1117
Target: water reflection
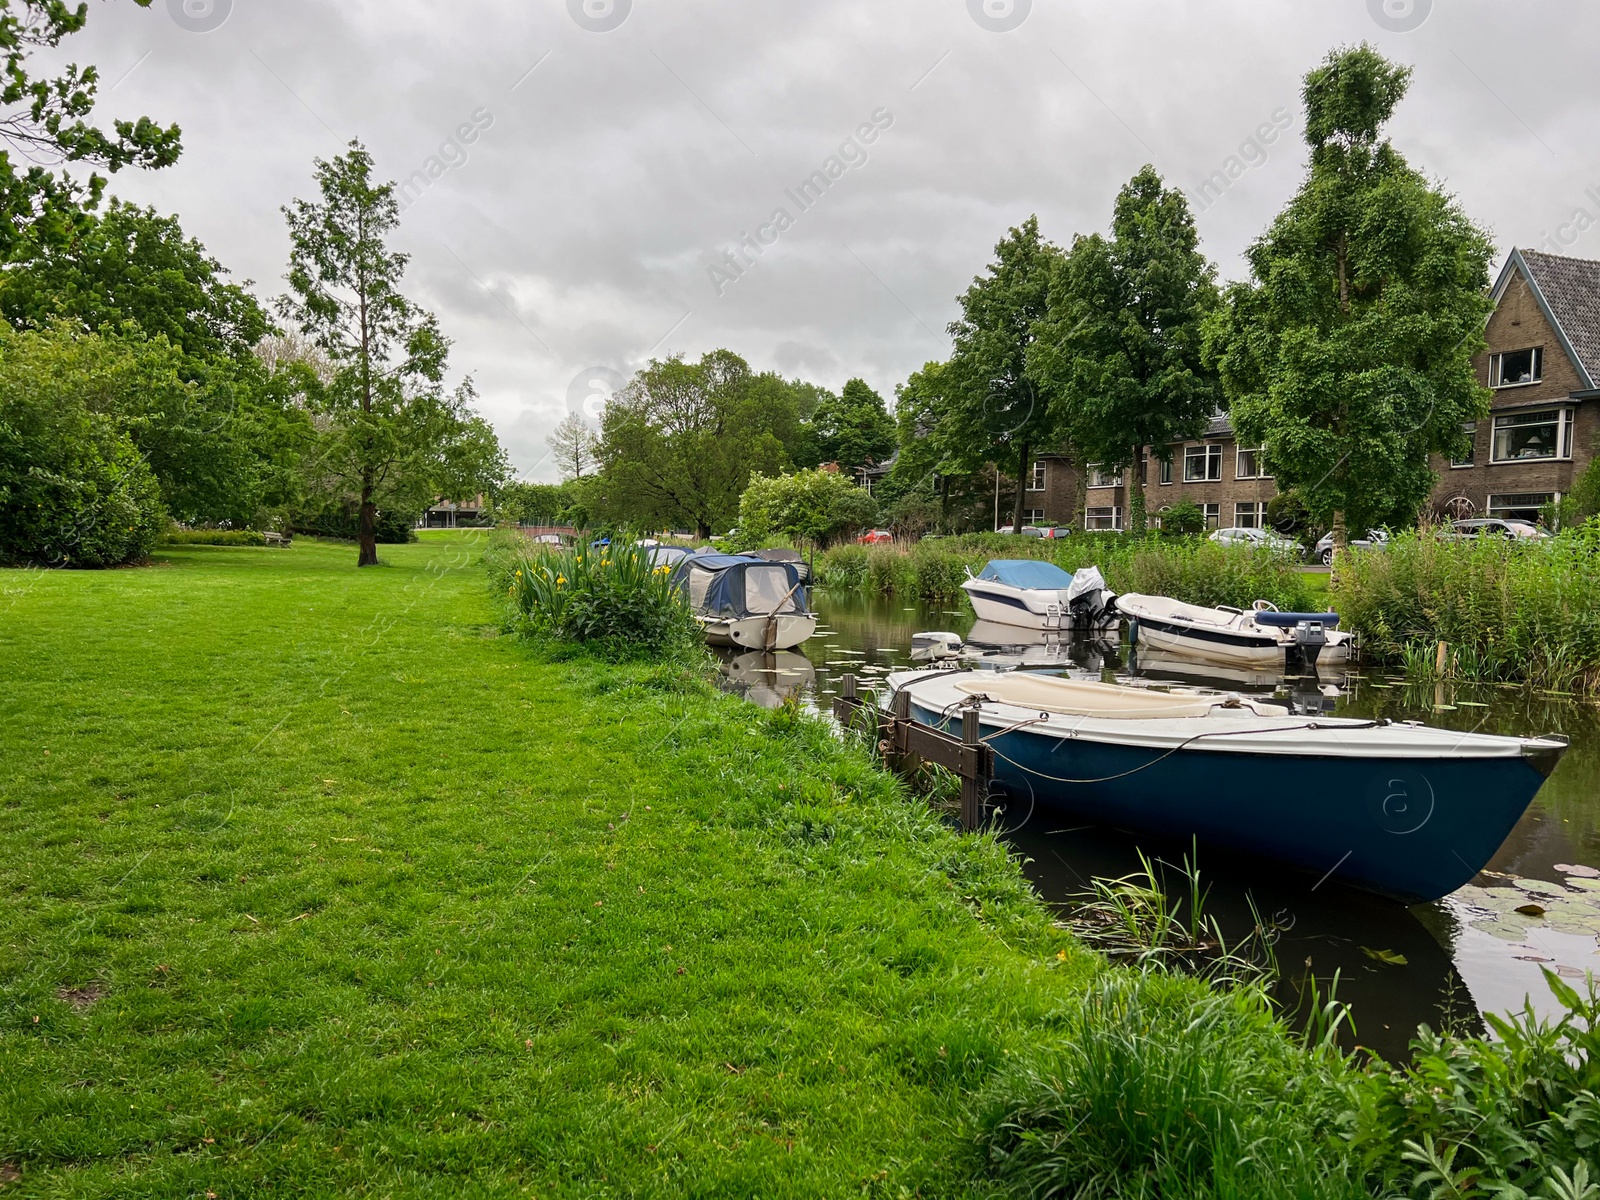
1457, 957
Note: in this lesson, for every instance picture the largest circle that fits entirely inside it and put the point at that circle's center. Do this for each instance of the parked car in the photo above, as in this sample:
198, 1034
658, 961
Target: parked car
1376, 539
1258, 539
1508, 527
875, 537
1038, 531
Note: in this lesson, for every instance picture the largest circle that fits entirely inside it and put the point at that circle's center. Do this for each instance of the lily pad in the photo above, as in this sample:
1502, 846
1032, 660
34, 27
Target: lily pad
1531, 910
1507, 929
1579, 870
1391, 957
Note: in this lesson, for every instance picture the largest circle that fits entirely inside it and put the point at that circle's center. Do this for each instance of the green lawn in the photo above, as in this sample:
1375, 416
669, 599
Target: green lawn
315, 885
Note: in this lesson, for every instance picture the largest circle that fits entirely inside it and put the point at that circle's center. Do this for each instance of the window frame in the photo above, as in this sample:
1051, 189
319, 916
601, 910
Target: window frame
1259, 454
1090, 517
1563, 420
1038, 476
1472, 449
1209, 453
1164, 477
1493, 513
1213, 514
1497, 366
1257, 518
1095, 472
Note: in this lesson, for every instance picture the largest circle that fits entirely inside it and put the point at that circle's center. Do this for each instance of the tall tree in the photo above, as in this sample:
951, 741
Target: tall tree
132, 264
1348, 354
854, 428
43, 124
574, 445
681, 441
1121, 348
994, 411
393, 430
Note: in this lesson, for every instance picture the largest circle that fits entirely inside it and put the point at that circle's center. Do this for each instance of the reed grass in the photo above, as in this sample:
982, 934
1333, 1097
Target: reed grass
1194, 570
1506, 611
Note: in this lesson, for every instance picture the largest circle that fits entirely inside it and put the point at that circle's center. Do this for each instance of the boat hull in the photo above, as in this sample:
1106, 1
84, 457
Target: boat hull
1023, 608
751, 633
1407, 828
1227, 648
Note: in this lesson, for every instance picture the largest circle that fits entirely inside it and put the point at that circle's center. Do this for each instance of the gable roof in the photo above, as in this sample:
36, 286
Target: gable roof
1568, 293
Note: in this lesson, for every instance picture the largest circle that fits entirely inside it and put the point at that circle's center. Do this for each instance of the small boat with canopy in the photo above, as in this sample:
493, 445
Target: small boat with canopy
1040, 595
744, 601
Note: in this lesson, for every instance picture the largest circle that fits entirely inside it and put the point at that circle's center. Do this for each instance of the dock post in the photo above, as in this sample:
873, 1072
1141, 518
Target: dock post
847, 688
973, 789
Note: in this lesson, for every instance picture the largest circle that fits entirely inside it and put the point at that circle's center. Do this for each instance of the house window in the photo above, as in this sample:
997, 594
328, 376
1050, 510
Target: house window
1099, 478
1160, 516
1202, 463
1213, 515
1036, 480
1144, 472
1520, 506
1251, 464
1544, 433
1250, 515
1033, 516
1166, 471
1516, 368
1103, 518
1466, 459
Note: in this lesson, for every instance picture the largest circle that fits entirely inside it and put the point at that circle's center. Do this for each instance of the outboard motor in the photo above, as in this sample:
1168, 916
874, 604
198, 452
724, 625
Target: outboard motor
1310, 637
935, 647
1092, 605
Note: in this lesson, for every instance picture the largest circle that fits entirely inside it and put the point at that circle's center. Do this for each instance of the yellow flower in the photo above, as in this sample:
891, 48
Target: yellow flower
561, 579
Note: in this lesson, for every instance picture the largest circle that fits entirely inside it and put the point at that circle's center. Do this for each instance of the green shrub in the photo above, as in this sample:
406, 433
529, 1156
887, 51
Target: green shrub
213, 537
610, 596
1470, 1117
1507, 610
1157, 1086
73, 489
342, 520
1185, 517
814, 506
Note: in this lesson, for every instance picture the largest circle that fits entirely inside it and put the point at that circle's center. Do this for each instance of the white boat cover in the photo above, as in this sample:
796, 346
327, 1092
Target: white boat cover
1088, 698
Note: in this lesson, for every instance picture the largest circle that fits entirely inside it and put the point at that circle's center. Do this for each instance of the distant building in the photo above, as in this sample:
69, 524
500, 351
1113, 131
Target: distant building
449, 514
1542, 364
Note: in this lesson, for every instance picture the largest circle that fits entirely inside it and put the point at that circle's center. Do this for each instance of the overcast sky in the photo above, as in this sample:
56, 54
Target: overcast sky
623, 148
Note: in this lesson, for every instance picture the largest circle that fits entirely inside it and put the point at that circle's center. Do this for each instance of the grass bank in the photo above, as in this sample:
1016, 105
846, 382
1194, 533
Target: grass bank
326, 888
1190, 569
1507, 610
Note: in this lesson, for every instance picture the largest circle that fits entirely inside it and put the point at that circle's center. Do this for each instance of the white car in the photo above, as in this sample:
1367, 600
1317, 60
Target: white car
1376, 539
1258, 539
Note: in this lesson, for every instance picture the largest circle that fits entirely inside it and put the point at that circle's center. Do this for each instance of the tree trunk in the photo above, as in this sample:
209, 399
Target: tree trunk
1136, 509
1024, 474
369, 527
703, 531
1075, 491
1341, 538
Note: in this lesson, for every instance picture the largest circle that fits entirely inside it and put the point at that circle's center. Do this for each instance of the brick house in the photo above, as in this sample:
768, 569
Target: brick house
1542, 364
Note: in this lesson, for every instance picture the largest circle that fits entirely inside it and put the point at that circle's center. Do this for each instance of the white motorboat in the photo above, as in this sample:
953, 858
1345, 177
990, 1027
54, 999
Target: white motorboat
1039, 595
746, 602
1260, 637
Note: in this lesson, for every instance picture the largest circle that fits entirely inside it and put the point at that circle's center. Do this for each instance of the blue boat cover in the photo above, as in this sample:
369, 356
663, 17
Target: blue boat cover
1027, 573
1283, 620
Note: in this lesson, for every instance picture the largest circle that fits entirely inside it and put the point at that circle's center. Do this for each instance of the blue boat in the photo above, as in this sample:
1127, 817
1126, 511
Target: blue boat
1403, 810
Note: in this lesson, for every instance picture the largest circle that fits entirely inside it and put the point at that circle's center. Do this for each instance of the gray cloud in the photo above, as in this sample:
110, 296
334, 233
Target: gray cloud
578, 228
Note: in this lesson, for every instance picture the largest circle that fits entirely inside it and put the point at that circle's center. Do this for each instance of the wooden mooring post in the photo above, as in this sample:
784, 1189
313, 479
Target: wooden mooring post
905, 743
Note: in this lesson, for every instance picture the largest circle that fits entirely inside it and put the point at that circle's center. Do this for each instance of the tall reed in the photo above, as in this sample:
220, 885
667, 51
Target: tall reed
1506, 610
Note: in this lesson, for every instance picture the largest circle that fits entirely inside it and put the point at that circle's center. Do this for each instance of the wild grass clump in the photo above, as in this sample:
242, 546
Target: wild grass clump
1190, 569
1153, 1085
613, 597
1506, 610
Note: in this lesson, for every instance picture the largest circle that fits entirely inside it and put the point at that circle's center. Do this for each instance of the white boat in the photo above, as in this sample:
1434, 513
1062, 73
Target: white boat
746, 602
1260, 637
1401, 809
1031, 594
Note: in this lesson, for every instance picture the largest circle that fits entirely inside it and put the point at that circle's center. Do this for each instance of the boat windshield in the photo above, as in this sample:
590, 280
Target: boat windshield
699, 584
1027, 573
765, 587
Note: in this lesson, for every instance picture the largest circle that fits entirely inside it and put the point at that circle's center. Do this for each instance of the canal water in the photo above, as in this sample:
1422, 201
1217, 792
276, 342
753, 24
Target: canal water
1536, 906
